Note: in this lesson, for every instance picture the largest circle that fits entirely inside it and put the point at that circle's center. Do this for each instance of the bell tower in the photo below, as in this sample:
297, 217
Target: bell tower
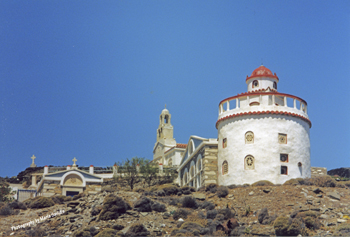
165, 130
165, 139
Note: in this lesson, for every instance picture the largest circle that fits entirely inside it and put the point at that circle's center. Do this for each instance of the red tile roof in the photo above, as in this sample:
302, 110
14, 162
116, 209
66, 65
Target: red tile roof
181, 145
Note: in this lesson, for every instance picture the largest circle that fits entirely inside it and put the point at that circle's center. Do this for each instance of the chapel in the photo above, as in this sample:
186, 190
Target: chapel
262, 135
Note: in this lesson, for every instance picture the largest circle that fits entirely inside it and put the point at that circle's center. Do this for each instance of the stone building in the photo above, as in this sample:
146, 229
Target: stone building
262, 135
68, 181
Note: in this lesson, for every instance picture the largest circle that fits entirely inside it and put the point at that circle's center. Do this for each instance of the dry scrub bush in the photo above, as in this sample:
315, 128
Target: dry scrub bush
298, 181
197, 219
6, 210
59, 199
262, 183
108, 232
40, 202
36, 232
222, 191
180, 213
113, 207
281, 225
76, 197
137, 229
211, 188
189, 202
324, 181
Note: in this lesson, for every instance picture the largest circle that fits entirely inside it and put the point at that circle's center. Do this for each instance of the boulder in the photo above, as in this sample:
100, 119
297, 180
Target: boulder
333, 195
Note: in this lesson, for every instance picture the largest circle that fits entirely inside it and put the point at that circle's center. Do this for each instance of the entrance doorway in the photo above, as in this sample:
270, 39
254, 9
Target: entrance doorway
71, 193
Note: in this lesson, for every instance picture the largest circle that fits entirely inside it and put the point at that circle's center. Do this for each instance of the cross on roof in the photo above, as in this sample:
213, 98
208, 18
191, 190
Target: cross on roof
74, 160
33, 157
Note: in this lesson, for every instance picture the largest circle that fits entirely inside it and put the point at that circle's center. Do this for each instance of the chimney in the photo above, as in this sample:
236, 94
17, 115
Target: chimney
115, 169
138, 168
68, 167
46, 169
91, 169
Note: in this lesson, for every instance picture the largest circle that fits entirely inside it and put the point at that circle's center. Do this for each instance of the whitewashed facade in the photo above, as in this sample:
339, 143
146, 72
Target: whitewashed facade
263, 134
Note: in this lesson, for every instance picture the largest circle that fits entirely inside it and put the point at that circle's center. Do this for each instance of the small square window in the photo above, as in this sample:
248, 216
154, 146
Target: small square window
284, 157
282, 138
224, 143
284, 170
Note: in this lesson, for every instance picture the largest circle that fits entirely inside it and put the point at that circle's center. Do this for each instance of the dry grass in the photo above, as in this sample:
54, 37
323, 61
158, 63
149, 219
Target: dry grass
196, 219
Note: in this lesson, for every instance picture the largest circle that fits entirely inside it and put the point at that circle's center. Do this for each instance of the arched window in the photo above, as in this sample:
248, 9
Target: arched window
224, 143
300, 164
249, 162
249, 137
166, 119
185, 178
255, 83
224, 167
199, 163
274, 85
192, 171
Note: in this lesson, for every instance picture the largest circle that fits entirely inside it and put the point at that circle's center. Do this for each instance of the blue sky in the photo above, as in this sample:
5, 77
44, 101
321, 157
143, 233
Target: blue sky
88, 79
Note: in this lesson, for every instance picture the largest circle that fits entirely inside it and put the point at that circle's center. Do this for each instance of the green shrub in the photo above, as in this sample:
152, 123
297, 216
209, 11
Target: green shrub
180, 213
41, 202
222, 191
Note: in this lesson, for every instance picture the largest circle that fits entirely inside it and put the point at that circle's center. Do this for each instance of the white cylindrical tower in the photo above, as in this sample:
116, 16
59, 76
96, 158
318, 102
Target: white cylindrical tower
263, 134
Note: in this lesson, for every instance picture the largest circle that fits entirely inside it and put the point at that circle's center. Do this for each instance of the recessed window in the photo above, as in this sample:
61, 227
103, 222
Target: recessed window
282, 138
166, 118
255, 103
192, 172
300, 164
249, 137
255, 83
274, 85
284, 157
224, 167
284, 170
224, 143
249, 162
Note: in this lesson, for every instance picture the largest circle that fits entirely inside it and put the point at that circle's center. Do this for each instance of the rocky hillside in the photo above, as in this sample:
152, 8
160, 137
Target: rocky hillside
341, 172
298, 207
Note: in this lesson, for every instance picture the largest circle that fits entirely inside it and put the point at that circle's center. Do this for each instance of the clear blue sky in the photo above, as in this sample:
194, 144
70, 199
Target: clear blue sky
88, 79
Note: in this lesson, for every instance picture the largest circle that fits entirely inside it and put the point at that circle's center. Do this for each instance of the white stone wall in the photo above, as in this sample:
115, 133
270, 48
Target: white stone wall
263, 83
266, 149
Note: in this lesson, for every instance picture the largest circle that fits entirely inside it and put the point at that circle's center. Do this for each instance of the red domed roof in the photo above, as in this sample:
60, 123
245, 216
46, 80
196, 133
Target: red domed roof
262, 71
